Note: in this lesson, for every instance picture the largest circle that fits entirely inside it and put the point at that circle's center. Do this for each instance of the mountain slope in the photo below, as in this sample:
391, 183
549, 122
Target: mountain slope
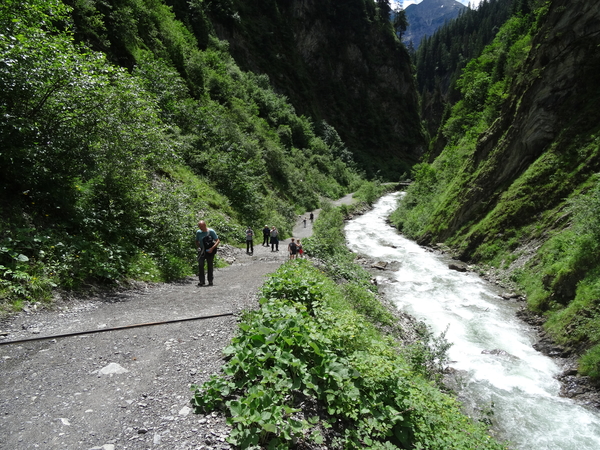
341, 63
441, 58
515, 188
120, 130
426, 17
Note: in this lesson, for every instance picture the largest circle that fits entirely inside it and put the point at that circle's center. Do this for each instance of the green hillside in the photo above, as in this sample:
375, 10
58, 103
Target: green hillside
122, 127
515, 188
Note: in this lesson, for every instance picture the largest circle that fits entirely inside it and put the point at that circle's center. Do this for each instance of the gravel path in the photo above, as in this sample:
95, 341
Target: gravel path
129, 388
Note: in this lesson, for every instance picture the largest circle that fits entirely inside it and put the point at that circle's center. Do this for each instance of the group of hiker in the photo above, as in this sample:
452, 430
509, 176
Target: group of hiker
207, 242
271, 237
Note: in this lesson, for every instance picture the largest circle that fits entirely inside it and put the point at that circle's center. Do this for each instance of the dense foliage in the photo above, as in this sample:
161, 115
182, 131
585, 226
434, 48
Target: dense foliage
440, 58
312, 366
105, 171
540, 229
484, 85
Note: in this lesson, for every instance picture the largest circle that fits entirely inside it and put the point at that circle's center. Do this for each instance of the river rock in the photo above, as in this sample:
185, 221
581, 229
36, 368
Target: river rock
546, 346
498, 352
458, 266
381, 265
394, 266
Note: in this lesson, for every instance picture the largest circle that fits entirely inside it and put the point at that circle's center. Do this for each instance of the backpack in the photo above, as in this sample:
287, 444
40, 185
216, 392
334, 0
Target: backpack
293, 247
208, 242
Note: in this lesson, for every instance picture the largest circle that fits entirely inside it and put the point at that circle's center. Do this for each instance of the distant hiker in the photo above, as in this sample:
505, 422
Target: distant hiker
274, 239
293, 249
312, 216
207, 242
249, 240
266, 233
300, 249
304, 220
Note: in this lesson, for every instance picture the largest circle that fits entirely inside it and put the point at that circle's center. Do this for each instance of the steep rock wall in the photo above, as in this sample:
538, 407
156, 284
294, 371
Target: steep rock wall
338, 62
548, 106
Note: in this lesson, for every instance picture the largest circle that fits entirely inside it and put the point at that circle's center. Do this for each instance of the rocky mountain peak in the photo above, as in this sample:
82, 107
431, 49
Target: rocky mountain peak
426, 17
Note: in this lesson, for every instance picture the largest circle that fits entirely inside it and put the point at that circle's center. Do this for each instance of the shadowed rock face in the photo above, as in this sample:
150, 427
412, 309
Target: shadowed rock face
338, 62
557, 80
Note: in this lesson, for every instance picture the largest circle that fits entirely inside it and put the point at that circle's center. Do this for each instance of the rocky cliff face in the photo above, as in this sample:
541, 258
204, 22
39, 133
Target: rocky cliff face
553, 101
339, 62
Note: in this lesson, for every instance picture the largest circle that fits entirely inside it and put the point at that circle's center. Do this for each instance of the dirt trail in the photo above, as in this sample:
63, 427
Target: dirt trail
127, 389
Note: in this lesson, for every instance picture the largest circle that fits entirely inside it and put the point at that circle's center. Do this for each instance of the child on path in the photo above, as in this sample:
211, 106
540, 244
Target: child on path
249, 240
300, 250
293, 249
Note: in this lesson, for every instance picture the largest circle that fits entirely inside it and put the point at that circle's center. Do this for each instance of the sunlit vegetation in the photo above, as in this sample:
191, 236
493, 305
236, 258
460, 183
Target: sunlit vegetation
440, 58
106, 169
541, 229
338, 61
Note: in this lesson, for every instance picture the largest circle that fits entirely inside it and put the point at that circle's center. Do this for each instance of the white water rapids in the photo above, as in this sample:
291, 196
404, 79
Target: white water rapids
528, 411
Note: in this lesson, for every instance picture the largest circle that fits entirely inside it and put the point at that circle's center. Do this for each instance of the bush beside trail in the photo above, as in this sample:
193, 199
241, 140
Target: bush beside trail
312, 367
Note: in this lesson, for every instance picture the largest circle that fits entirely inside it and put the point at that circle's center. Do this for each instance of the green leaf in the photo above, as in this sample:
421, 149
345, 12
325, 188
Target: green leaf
229, 350
316, 348
269, 428
235, 407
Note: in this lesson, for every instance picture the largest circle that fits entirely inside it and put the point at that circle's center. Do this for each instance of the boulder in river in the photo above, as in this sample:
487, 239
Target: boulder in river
381, 265
458, 266
498, 352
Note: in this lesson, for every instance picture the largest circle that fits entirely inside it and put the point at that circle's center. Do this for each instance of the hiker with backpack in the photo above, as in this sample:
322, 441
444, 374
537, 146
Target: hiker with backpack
207, 242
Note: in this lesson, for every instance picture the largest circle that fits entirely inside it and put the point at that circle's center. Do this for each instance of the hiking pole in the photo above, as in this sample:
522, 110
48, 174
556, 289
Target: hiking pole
124, 327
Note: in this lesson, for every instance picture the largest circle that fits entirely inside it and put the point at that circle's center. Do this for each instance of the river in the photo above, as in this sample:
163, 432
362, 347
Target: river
519, 386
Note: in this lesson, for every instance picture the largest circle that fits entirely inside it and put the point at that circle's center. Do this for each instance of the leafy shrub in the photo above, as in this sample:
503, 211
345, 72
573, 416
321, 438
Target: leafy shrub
299, 346
369, 192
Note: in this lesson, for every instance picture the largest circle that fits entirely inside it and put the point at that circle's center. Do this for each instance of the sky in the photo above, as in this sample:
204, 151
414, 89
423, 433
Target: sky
405, 3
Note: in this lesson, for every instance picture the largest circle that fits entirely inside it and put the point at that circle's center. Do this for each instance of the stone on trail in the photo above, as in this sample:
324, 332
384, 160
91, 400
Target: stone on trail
113, 368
